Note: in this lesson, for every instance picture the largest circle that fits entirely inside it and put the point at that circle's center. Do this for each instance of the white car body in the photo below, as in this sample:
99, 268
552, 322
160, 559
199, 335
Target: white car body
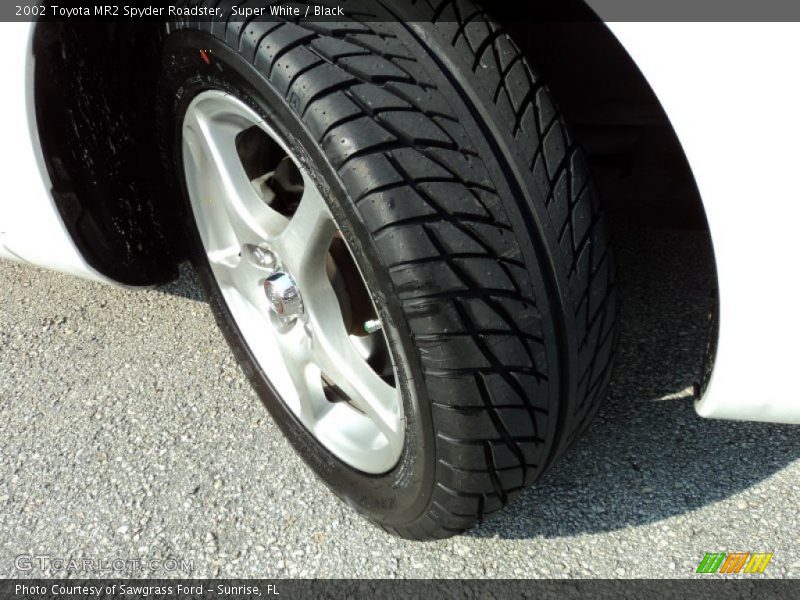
734, 107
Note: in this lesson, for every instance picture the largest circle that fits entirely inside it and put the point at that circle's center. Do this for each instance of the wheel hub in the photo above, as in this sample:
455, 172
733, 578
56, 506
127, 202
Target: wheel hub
283, 297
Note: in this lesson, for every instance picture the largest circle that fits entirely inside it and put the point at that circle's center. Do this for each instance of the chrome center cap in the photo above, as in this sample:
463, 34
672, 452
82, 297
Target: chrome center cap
283, 296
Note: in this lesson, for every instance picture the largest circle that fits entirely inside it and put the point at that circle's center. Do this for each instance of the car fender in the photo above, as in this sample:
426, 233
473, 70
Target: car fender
730, 93
31, 229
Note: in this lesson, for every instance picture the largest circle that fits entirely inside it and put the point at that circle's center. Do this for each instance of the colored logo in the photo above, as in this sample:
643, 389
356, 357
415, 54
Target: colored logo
734, 562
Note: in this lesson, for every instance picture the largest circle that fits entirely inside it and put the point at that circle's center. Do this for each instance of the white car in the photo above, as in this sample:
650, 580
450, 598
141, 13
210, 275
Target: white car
395, 224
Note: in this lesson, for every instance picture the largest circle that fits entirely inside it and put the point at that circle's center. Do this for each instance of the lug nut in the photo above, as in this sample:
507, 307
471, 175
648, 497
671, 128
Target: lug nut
283, 297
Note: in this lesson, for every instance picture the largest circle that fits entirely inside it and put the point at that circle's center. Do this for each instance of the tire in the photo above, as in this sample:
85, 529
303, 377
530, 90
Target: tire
473, 221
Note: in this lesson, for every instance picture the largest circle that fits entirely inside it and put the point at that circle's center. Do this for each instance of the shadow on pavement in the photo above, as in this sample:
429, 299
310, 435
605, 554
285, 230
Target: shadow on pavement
186, 286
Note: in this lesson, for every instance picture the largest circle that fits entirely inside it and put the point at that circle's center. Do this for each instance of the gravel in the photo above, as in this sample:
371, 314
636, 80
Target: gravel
127, 431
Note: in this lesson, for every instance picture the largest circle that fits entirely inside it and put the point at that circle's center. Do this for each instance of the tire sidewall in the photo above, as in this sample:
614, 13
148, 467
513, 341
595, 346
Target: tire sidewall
400, 496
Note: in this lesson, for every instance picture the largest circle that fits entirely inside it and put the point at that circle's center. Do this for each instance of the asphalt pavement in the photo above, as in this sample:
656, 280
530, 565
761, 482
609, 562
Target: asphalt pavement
127, 432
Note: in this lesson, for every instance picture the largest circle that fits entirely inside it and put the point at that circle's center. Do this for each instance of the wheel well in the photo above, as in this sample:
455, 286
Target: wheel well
94, 89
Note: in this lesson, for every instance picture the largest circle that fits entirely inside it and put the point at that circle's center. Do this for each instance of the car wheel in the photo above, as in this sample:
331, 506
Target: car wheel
401, 242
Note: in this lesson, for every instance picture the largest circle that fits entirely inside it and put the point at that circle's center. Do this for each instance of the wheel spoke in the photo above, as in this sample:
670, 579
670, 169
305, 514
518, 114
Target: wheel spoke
211, 216
295, 350
224, 182
343, 366
305, 241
